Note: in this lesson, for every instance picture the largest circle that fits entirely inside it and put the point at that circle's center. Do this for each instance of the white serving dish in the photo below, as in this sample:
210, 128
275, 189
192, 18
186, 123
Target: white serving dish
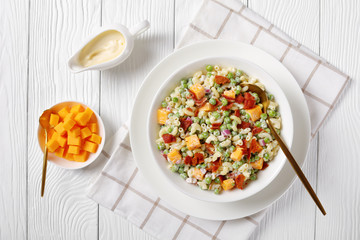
264, 177
62, 162
129, 35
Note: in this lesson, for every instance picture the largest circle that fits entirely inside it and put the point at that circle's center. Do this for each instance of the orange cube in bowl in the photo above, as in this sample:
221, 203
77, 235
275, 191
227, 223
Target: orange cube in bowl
84, 117
69, 116
75, 141
198, 90
69, 156
63, 112
230, 94
228, 184
74, 149
54, 119
95, 138
90, 146
237, 154
174, 155
68, 124
81, 157
254, 113
60, 152
61, 140
85, 132
52, 145
75, 131
258, 164
162, 115
77, 108
93, 127
60, 128
50, 133
192, 142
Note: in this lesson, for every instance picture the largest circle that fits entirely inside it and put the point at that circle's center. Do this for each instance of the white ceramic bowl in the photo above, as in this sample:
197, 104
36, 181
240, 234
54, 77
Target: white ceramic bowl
62, 162
264, 177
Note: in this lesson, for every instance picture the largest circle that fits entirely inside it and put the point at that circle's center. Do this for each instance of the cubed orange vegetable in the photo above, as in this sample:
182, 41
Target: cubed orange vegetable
68, 124
75, 131
75, 141
192, 142
63, 112
174, 155
84, 117
50, 133
69, 156
52, 145
162, 115
85, 132
93, 127
207, 107
254, 113
77, 108
230, 94
74, 149
54, 119
198, 90
258, 164
95, 138
228, 184
69, 116
60, 128
61, 140
90, 146
55, 136
81, 157
237, 154
60, 152
198, 174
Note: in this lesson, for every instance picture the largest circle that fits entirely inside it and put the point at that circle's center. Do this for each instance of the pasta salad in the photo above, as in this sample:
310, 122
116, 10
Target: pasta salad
213, 132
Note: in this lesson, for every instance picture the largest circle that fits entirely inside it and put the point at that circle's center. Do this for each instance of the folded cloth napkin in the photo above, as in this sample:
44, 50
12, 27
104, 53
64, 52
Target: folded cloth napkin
121, 188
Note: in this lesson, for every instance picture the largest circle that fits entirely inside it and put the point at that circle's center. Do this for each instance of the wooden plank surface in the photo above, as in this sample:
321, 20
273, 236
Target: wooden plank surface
56, 30
338, 146
13, 127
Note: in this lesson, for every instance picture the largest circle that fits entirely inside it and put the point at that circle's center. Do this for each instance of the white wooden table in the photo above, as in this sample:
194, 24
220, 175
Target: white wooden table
38, 36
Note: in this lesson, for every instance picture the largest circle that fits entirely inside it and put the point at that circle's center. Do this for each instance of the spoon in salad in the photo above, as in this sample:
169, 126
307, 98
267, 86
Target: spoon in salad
44, 123
265, 102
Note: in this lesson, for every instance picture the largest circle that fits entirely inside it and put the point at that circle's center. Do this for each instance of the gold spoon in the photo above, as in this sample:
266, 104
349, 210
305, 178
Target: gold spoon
265, 102
44, 123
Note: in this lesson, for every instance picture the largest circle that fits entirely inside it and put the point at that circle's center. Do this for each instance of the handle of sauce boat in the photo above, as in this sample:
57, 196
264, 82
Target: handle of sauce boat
139, 28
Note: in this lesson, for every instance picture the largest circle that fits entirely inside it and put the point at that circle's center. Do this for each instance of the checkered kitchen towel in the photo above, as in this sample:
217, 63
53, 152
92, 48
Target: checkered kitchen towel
121, 188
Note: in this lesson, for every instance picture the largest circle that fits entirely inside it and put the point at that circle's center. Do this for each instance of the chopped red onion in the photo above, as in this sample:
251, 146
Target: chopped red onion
207, 90
168, 108
262, 142
226, 132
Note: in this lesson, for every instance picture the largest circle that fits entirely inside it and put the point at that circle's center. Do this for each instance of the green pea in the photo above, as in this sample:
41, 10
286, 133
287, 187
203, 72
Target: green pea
226, 154
185, 85
247, 116
189, 129
175, 99
181, 170
220, 149
230, 75
209, 74
212, 101
277, 114
243, 112
223, 127
170, 129
258, 124
205, 135
216, 85
184, 175
170, 115
164, 104
196, 119
220, 89
232, 148
211, 130
207, 180
202, 121
209, 68
266, 156
238, 73
253, 177
236, 165
257, 157
217, 180
198, 166
272, 113
263, 116
233, 81
267, 140
229, 126
227, 120
184, 149
216, 115
217, 191
207, 121
174, 168
224, 102
267, 130
166, 152
270, 97
161, 146
217, 132
234, 133
237, 92
226, 113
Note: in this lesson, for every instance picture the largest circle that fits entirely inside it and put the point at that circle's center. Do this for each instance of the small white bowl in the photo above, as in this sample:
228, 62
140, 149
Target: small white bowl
62, 162
264, 177
129, 35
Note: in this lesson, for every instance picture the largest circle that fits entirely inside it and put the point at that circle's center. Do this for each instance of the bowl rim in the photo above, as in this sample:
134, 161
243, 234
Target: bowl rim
100, 147
212, 59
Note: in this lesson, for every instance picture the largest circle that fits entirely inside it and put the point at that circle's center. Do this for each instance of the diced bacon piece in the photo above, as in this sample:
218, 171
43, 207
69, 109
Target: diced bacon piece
221, 79
265, 165
187, 160
244, 125
199, 158
239, 99
185, 123
210, 148
216, 164
227, 107
237, 112
215, 125
240, 181
255, 147
168, 138
256, 130
249, 101
200, 102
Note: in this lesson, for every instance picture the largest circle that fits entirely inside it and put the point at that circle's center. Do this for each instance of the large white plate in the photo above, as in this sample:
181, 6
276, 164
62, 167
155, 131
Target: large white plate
151, 172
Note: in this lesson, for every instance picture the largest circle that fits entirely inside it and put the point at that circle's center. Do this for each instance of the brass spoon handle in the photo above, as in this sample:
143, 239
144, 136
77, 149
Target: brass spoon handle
296, 167
44, 167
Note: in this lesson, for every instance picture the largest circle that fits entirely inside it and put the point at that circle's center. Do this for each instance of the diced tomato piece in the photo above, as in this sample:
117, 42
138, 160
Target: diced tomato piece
185, 123
221, 79
187, 160
215, 125
255, 146
210, 148
240, 181
227, 107
237, 113
256, 130
168, 138
249, 101
239, 99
